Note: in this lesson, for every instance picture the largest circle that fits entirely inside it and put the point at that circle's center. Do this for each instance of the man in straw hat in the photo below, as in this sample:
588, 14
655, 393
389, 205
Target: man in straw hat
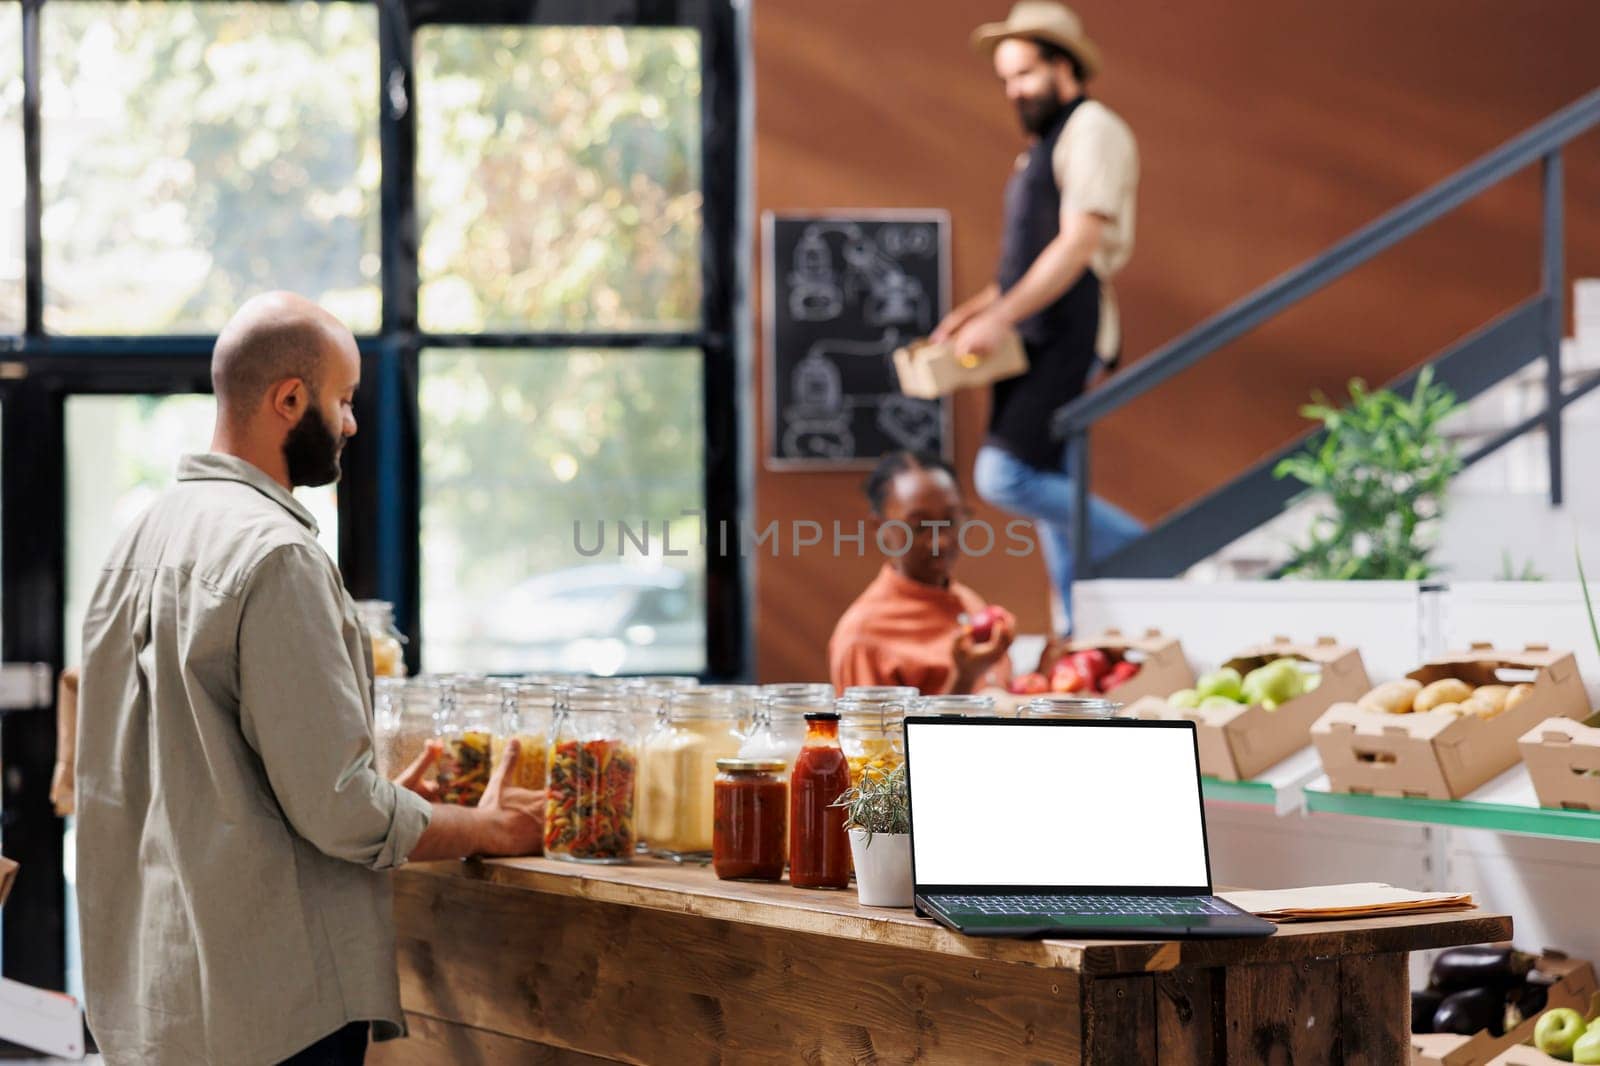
1069, 214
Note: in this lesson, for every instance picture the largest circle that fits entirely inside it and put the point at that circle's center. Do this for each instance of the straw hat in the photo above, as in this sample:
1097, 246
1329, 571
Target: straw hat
1041, 20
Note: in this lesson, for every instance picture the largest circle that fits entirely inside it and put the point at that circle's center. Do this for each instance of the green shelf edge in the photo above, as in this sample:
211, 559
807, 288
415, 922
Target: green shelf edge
1495, 817
1256, 792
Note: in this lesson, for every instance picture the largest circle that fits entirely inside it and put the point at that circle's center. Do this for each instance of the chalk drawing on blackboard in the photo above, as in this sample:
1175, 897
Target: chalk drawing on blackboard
818, 421
900, 242
814, 292
889, 296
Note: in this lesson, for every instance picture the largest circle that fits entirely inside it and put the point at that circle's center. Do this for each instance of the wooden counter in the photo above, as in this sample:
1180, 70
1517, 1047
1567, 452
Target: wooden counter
536, 961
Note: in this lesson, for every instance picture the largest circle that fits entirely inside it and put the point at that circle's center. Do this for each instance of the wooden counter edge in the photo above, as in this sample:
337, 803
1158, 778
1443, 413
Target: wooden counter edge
697, 892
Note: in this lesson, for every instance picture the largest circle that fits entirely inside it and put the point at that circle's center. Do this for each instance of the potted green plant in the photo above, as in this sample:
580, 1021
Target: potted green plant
1381, 467
878, 815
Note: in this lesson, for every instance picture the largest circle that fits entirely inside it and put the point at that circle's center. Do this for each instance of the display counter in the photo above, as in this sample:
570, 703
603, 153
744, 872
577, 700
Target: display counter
534, 960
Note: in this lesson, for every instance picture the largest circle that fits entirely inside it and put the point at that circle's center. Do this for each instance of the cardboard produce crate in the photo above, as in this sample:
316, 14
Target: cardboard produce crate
929, 370
1237, 743
1163, 669
1575, 987
1436, 754
1563, 758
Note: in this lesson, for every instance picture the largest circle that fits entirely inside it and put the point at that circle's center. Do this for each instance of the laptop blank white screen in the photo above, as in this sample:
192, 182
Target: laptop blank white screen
1055, 806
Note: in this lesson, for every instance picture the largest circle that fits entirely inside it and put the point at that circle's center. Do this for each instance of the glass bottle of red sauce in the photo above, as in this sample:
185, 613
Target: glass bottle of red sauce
819, 847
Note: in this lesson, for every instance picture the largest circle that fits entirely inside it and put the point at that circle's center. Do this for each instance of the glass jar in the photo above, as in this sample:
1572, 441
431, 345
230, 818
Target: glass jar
678, 769
388, 720
750, 831
955, 706
872, 731
593, 776
377, 618
1069, 707
903, 693
469, 722
780, 720
819, 846
527, 710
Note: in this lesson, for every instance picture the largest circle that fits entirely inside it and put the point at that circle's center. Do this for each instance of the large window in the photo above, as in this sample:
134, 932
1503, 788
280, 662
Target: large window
531, 229
559, 187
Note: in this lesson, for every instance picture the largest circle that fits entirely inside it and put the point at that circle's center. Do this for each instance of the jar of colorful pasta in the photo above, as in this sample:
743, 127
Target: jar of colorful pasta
592, 778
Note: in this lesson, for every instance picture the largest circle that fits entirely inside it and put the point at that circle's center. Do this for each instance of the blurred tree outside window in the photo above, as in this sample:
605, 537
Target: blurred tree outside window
558, 178
196, 153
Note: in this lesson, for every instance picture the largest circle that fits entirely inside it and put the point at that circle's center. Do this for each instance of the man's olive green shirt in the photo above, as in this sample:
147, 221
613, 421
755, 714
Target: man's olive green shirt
233, 834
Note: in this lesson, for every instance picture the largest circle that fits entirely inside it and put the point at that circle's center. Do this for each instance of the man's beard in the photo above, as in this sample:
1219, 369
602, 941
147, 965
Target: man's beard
1038, 114
312, 449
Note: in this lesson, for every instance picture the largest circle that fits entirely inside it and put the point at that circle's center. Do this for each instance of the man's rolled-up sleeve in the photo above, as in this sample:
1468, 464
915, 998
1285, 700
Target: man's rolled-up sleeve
301, 709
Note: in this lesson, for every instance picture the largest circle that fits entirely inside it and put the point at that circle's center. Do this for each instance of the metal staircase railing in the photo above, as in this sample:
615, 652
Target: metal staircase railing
1505, 345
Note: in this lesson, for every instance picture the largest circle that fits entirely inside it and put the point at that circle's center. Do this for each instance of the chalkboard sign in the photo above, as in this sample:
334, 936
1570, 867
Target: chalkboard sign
842, 292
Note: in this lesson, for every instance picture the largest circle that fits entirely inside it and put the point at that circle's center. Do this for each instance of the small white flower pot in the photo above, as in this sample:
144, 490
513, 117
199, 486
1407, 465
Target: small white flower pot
883, 868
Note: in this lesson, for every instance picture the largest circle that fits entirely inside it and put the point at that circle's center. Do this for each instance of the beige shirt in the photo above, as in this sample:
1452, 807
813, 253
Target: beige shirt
1096, 165
232, 831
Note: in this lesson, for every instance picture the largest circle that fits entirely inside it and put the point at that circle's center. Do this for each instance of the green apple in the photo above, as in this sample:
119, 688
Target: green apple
1184, 699
1557, 1031
1225, 682
1219, 703
1279, 681
1587, 1049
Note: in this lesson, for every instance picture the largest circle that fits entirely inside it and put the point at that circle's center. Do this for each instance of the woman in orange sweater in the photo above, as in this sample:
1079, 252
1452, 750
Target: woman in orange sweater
906, 628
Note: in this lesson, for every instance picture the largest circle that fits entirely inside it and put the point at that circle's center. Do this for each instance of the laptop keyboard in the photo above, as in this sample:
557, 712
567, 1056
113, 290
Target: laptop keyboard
1110, 906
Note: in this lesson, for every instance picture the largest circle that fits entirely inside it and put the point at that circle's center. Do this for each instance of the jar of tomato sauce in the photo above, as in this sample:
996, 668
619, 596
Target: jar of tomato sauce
750, 830
819, 847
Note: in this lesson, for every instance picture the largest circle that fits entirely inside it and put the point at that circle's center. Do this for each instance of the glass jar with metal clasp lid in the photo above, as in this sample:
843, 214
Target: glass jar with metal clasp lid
780, 720
955, 706
871, 727
527, 712
678, 769
468, 723
388, 655
593, 777
1070, 707
404, 713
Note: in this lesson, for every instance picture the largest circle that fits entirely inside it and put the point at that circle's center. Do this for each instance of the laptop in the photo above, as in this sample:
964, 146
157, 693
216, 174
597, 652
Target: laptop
1063, 827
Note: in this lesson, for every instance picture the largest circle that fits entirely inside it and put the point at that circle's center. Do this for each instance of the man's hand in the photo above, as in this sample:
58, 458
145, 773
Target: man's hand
412, 776
965, 312
974, 660
516, 814
981, 335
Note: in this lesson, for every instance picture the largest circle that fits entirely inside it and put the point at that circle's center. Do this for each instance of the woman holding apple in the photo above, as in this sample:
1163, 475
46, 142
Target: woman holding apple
915, 624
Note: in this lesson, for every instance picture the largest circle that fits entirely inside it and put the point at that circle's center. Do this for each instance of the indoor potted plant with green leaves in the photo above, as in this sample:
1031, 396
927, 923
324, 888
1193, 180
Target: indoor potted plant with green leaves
878, 815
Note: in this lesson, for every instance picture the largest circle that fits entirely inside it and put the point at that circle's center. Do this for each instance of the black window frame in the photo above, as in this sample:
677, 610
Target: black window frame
380, 496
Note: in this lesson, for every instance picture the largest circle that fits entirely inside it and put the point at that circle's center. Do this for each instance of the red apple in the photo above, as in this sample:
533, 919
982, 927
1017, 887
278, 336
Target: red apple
1067, 679
981, 625
1092, 664
1033, 684
1120, 673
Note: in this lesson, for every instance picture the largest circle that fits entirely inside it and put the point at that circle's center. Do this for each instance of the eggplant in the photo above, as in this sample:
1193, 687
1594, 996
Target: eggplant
1423, 1003
1532, 998
1472, 1011
1480, 966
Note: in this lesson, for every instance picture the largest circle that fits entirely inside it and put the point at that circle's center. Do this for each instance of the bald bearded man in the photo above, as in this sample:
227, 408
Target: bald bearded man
233, 836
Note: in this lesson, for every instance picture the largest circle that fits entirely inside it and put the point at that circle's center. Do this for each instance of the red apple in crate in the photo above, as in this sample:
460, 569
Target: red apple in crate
1091, 665
1120, 673
1034, 684
1067, 679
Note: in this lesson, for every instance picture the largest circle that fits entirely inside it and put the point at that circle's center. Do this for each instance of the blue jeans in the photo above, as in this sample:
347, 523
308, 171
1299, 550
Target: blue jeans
1048, 497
